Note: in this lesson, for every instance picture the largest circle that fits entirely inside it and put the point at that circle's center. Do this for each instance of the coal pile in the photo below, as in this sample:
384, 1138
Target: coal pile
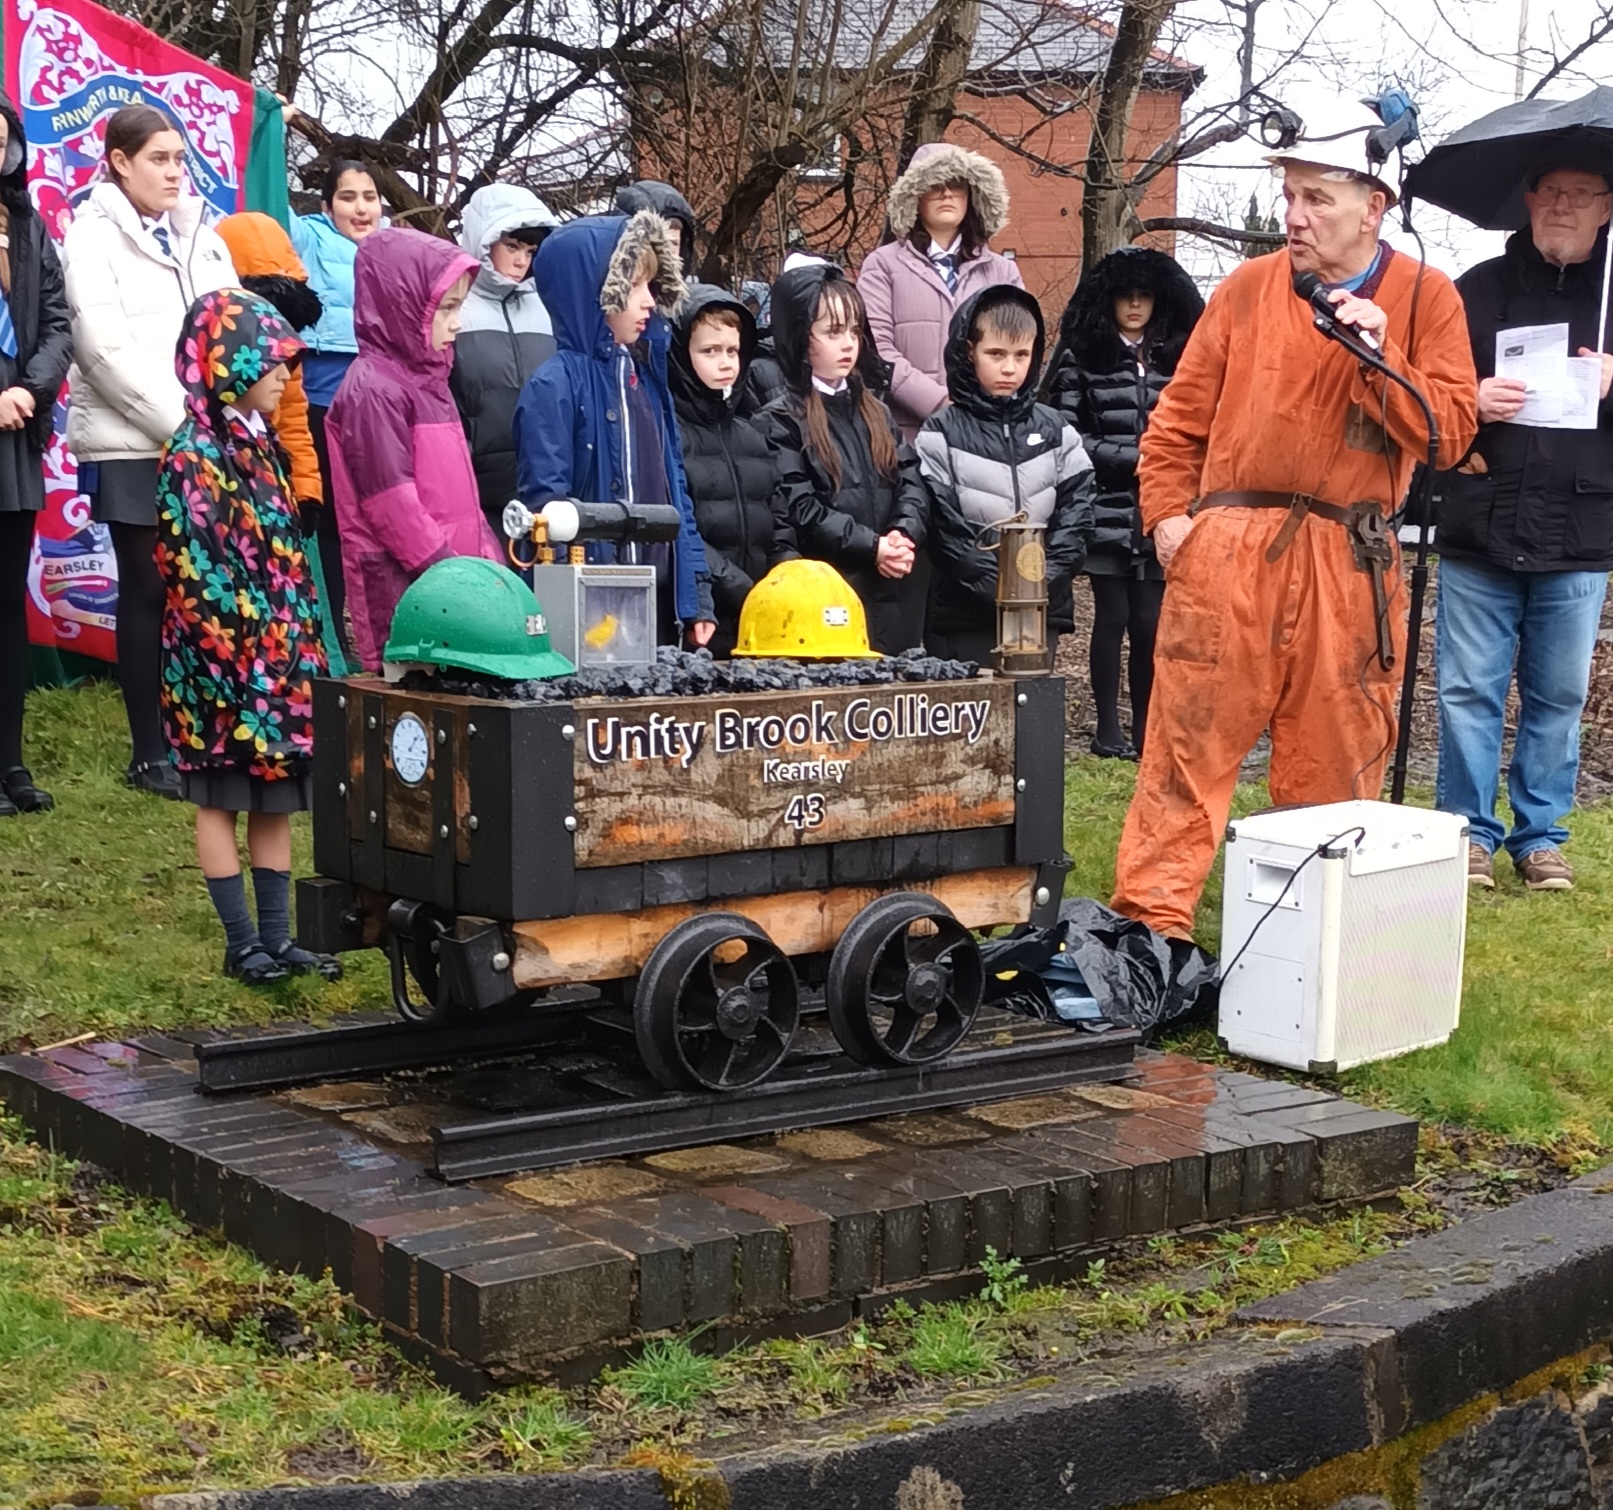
696, 673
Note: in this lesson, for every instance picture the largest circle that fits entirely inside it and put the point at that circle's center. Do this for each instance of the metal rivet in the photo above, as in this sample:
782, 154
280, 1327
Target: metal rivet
470, 729
341, 700
372, 720
442, 736
442, 831
1043, 896
341, 788
374, 816
568, 731
1019, 786
501, 961
571, 824
1022, 699
473, 823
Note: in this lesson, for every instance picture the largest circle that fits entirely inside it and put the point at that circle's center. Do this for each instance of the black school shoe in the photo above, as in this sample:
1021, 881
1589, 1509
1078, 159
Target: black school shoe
1125, 750
21, 795
300, 961
255, 966
156, 777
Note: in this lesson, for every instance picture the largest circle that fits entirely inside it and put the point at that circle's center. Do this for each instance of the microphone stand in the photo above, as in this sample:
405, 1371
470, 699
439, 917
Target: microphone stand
1420, 497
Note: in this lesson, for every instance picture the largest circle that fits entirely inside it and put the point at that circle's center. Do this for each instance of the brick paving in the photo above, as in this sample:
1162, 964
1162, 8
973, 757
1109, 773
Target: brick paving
507, 1279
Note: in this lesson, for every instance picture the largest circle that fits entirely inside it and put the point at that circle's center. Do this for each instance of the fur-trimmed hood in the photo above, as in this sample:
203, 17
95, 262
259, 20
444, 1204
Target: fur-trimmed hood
584, 270
1087, 329
934, 166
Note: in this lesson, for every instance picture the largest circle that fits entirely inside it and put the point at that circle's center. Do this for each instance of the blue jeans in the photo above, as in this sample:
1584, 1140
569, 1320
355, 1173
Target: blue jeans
1486, 618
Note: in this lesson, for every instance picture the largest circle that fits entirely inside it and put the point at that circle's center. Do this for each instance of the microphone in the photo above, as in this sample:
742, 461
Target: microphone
1310, 288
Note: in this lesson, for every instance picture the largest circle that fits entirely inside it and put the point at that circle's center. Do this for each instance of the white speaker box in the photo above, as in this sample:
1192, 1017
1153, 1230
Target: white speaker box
1343, 928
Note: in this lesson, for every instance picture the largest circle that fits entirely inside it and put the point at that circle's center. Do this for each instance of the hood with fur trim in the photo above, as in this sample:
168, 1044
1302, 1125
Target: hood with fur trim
1087, 328
934, 166
584, 270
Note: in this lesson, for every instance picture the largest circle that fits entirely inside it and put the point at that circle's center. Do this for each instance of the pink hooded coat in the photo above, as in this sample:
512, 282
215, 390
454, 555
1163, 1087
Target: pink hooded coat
909, 307
401, 472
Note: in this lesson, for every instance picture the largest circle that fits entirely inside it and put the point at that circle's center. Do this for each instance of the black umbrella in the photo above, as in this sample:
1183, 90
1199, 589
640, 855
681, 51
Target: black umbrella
1482, 171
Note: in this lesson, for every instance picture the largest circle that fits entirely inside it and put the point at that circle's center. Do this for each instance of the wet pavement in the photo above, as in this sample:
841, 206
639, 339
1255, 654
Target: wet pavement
797, 1232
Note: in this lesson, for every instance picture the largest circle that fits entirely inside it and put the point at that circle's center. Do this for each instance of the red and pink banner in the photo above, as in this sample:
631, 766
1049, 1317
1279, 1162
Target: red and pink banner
69, 64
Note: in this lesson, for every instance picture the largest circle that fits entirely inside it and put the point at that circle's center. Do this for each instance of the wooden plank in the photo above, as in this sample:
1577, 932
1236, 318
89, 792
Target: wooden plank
677, 778
610, 946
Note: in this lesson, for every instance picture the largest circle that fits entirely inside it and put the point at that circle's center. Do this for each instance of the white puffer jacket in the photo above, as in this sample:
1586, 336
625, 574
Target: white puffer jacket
128, 305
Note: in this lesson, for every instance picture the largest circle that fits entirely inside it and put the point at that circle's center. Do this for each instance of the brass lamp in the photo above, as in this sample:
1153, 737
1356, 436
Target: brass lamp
1022, 648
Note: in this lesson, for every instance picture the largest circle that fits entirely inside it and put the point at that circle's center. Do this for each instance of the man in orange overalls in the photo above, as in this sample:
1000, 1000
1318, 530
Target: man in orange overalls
1268, 450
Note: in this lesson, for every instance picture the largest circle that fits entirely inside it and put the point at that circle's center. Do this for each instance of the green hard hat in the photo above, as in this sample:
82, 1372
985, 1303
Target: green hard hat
478, 616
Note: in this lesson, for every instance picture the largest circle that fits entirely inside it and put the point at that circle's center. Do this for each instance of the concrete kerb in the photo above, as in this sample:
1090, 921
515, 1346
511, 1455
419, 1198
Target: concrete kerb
1336, 1366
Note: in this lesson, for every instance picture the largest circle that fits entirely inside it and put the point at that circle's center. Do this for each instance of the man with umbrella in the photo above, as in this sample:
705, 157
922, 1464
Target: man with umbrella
1267, 473
1526, 533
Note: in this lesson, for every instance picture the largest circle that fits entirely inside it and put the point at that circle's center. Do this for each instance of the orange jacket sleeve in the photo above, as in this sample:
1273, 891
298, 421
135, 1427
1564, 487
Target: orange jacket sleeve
291, 425
1441, 365
1177, 438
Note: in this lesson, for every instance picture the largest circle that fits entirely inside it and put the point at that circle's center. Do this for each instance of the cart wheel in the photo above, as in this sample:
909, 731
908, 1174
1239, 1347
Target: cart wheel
412, 932
716, 1005
904, 983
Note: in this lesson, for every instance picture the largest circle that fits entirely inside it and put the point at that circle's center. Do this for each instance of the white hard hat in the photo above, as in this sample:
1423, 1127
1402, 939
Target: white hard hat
1346, 137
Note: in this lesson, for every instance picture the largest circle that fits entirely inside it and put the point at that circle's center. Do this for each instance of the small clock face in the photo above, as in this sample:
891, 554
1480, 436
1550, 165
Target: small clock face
411, 749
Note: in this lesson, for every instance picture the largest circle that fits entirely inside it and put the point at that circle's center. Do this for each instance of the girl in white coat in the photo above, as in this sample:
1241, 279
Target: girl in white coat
136, 256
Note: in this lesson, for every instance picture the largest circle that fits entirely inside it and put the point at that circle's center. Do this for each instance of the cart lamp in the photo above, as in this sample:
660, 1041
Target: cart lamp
1022, 648
568, 521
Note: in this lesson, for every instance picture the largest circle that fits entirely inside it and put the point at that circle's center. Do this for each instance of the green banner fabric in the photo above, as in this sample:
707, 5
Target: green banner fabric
265, 188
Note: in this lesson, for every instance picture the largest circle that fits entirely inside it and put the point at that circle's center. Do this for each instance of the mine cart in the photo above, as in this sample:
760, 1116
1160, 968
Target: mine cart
698, 858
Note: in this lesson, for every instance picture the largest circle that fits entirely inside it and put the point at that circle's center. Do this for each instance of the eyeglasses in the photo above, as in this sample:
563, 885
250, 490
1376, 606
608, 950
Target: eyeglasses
1577, 199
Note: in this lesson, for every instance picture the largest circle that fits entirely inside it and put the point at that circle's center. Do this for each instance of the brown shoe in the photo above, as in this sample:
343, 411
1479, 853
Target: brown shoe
1480, 867
1545, 870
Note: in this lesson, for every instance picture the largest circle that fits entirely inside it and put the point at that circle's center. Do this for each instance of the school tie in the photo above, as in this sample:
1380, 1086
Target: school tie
160, 235
8, 329
946, 263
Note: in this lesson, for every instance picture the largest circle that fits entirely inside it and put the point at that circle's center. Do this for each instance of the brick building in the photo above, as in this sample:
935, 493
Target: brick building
1024, 104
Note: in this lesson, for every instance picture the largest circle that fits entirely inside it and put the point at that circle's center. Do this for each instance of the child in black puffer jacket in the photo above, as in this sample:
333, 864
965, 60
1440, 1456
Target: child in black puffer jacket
994, 453
1119, 341
852, 490
731, 467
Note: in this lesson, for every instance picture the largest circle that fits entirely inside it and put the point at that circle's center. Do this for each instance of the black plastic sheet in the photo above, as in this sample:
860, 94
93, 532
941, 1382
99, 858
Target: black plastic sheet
1139, 978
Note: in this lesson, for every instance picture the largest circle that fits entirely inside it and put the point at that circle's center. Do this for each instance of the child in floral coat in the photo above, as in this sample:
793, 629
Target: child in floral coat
240, 631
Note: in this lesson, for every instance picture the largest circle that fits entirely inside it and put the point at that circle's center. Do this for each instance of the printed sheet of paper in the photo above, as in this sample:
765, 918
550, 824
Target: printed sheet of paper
1582, 397
1537, 356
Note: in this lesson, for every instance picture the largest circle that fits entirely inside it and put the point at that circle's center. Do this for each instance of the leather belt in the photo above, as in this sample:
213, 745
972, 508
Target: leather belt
1370, 541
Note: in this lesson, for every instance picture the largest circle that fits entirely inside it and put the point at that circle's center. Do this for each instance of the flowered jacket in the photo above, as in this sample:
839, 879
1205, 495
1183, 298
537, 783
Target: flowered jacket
240, 632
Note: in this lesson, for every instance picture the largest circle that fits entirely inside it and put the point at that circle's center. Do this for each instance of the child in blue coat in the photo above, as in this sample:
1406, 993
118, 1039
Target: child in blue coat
595, 422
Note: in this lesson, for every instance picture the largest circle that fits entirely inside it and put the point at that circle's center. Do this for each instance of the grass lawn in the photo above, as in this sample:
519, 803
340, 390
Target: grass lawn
137, 1355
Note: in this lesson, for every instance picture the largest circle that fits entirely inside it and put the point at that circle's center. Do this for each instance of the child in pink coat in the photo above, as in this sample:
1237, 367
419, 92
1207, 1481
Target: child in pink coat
401, 471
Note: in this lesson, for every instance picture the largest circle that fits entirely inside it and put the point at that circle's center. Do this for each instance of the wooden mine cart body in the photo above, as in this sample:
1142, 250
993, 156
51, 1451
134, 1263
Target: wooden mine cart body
561, 842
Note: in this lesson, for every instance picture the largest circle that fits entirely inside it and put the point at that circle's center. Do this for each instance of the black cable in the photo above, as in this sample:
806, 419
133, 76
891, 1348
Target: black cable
1260, 922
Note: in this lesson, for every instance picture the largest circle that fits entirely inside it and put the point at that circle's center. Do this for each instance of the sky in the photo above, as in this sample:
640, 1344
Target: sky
1458, 59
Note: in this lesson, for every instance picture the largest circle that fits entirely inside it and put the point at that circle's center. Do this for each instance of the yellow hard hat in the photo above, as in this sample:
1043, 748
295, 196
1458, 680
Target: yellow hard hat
804, 610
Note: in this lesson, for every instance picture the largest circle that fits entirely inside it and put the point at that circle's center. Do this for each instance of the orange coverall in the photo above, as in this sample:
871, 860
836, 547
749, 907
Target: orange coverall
1261, 401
